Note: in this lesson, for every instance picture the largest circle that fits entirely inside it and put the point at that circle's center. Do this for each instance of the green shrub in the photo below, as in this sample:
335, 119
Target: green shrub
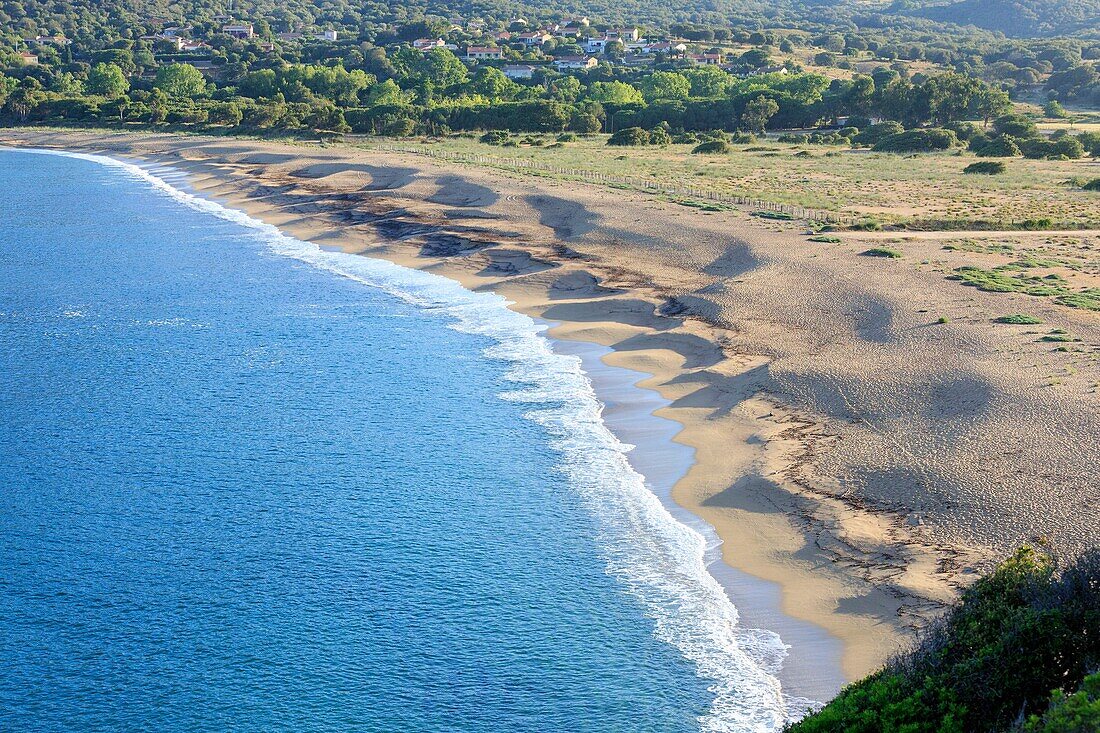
567, 137
714, 146
629, 136
742, 138
1016, 126
659, 136
685, 138
999, 147
874, 133
881, 252
1076, 713
1018, 319
986, 167
1015, 635
1093, 185
495, 137
917, 141
1066, 147
825, 239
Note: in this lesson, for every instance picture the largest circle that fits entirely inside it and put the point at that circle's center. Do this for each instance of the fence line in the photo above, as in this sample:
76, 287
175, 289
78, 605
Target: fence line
637, 182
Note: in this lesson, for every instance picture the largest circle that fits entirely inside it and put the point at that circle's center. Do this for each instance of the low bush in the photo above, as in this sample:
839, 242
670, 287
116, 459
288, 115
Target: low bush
712, 147
742, 138
629, 136
825, 239
881, 252
986, 167
917, 141
1093, 185
874, 133
567, 137
999, 147
1038, 148
495, 137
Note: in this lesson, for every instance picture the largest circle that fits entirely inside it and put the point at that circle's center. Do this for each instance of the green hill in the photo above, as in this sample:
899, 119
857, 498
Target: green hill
1023, 18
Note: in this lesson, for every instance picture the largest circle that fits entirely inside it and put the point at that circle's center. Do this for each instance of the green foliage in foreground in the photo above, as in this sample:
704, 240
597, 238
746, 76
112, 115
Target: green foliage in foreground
1093, 185
986, 167
1014, 655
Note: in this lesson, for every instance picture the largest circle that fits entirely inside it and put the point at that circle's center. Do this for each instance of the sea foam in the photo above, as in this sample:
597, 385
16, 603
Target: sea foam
661, 561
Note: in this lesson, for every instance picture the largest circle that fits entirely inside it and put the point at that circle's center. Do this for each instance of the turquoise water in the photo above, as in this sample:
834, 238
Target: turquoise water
251, 485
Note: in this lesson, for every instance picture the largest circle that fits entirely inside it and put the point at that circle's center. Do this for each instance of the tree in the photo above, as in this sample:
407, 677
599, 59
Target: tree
491, 83
226, 113
665, 85
107, 80
614, 92
180, 81
756, 58
442, 68
1054, 110
708, 82
757, 112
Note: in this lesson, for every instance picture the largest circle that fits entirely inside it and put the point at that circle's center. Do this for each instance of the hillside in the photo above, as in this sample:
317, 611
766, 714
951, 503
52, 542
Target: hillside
1022, 18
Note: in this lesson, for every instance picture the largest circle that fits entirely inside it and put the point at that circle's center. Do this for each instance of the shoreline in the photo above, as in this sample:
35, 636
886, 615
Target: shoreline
812, 668
775, 465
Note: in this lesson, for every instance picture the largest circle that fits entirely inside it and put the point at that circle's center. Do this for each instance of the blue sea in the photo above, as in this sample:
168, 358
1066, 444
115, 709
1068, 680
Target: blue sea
248, 484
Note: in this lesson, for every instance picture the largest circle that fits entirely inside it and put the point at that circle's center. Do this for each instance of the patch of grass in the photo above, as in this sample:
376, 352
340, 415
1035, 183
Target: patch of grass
1018, 319
776, 215
825, 238
1087, 299
1058, 336
881, 252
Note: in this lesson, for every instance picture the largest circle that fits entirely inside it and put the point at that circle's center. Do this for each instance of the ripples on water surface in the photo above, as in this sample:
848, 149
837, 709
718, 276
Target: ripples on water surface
249, 485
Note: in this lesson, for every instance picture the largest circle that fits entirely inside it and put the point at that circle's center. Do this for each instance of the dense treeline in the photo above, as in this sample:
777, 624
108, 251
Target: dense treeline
1023, 18
403, 91
1020, 653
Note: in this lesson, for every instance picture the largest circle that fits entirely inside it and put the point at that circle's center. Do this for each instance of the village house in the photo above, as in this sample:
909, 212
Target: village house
243, 31
55, 40
519, 71
705, 59
534, 38
597, 45
502, 36
565, 63
483, 53
174, 42
28, 58
427, 44
666, 47
189, 45
623, 34
326, 36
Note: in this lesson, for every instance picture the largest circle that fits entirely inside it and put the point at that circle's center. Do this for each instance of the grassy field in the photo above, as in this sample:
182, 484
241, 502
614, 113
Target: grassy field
890, 188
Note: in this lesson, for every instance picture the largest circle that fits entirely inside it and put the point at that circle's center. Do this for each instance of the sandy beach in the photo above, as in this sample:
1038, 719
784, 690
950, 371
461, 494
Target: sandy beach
849, 447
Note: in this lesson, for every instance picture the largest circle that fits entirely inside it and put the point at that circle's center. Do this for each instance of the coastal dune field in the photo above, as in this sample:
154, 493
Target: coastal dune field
866, 434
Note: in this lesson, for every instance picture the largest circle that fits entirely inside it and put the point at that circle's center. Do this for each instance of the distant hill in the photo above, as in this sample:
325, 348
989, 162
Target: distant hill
1022, 18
